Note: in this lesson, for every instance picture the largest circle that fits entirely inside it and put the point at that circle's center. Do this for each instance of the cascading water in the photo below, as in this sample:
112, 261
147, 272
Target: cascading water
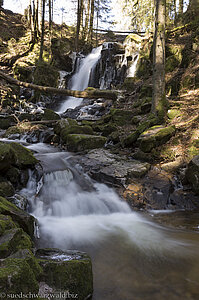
80, 79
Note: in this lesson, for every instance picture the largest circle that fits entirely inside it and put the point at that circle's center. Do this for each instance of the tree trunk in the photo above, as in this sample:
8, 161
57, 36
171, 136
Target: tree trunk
91, 20
181, 5
193, 9
87, 20
159, 98
42, 31
91, 94
78, 24
50, 15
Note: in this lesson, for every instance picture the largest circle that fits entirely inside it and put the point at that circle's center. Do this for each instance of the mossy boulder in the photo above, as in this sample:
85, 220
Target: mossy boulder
23, 157
6, 189
121, 117
12, 240
46, 74
22, 218
64, 124
129, 84
154, 137
17, 276
6, 121
133, 136
105, 129
67, 271
75, 129
49, 114
81, 142
192, 173
6, 156
23, 72
6, 223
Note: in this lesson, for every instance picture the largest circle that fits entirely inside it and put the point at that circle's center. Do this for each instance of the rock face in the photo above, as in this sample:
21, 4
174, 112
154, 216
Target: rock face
110, 168
155, 136
69, 272
192, 173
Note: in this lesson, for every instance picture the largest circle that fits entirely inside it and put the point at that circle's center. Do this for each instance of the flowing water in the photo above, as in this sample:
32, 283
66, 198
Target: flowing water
80, 79
133, 257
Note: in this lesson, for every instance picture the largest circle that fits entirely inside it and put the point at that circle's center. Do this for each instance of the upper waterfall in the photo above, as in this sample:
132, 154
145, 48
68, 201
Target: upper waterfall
81, 78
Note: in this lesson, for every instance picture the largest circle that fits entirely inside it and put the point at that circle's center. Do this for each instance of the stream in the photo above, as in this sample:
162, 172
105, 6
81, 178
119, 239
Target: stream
135, 255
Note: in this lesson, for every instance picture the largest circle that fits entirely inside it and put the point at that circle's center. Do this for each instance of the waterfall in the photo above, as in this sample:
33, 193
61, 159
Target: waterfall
81, 78
73, 210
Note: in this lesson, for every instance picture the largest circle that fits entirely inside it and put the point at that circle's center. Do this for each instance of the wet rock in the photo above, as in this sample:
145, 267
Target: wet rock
6, 121
192, 173
155, 136
6, 156
70, 272
81, 142
13, 240
64, 124
6, 189
25, 221
20, 201
112, 169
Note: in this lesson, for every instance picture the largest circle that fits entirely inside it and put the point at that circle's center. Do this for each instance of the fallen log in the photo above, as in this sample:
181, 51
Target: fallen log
87, 93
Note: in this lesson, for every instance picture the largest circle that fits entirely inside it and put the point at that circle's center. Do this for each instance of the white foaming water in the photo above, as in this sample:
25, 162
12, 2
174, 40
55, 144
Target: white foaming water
70, 217
80, 80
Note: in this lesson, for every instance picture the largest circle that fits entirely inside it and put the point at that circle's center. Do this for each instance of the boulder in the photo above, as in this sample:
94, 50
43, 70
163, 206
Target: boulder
6, 121
6, 223
25, 221
192, 173
121, 117
13, 240
6, 189
23, 157
64, 124
75, 129
70, 272
6, 156
154, 137
17, 276
49, 114
81, 142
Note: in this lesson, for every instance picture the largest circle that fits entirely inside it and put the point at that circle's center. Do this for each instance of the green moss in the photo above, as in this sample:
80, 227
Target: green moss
105, 129
49, 114
120, 117
154, 137
6, 223
6, 189
23, 156
173, 113
129, 84
74, 276
19, 216
7, 121
13, 240
12, 130
19, 274
64, 124
81, 142
75, 129
46, 75
193, 151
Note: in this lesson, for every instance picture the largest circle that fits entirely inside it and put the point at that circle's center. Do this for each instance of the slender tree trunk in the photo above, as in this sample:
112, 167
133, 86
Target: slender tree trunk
87, 20
42, 31
50, 15
91, 20
181, 5
98, 2
78, 24
159, 99
40, 15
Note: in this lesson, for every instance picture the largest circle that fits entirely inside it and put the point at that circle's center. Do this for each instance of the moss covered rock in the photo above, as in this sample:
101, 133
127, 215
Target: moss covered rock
25, 221
67, 271
6, 223
173, 113
64, 124
155, 136
23, 157
49, 114
121, 117
13, 240
17, 276
6, 189
7, 121
46, 75
81, 142
105, 129
6, 156
75, 129
192, 173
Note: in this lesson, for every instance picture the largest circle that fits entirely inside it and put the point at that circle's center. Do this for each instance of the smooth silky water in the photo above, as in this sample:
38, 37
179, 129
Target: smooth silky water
134, 256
